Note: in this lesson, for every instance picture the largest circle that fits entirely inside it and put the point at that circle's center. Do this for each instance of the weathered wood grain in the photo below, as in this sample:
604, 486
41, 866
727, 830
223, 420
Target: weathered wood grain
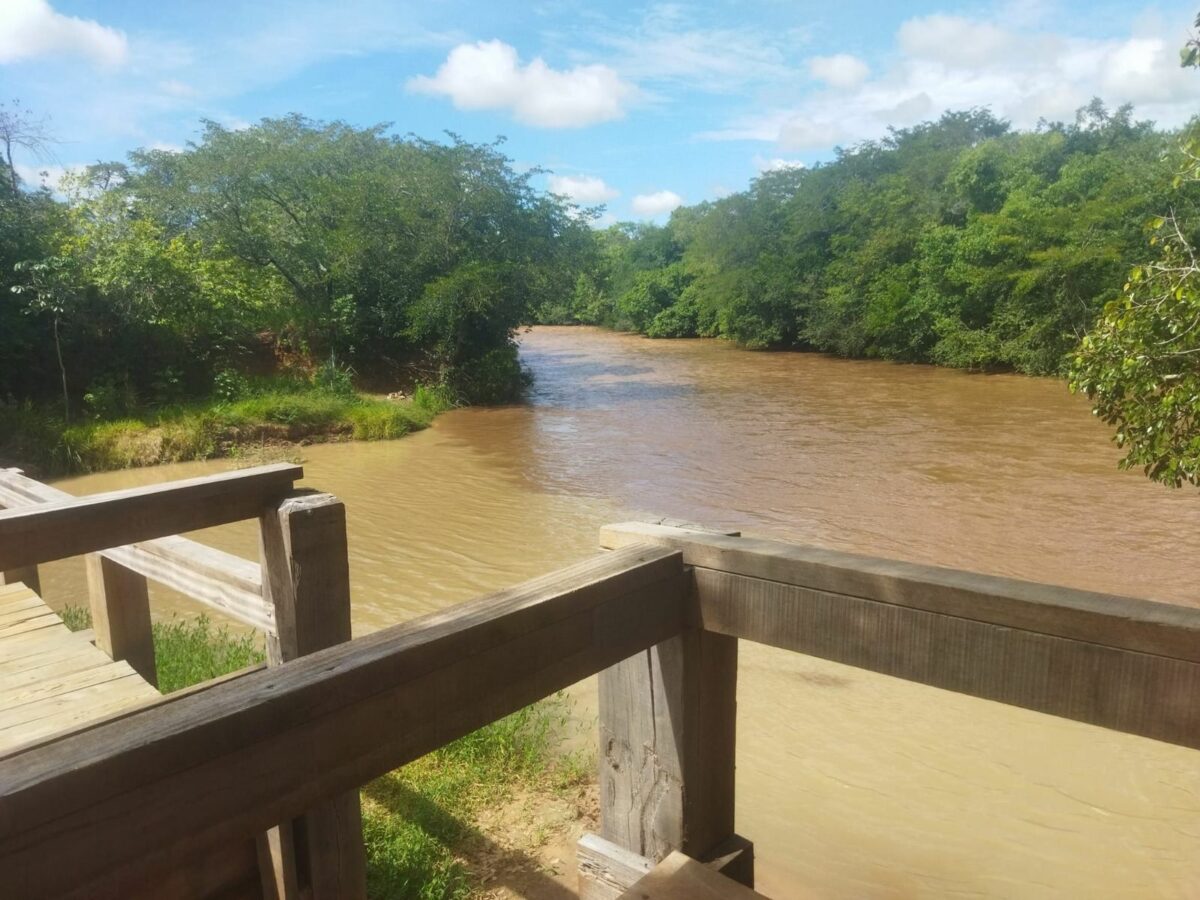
1126, 690
668, 720
89, 815
1145, 626
679, 877
307, 584
120, 603
65, 528
608, 870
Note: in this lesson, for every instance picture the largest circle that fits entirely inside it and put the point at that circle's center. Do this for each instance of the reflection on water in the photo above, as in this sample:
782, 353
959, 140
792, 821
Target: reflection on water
850, 784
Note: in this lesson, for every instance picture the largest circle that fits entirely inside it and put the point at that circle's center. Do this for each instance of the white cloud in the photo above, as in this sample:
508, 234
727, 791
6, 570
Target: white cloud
1021, 72
667, 46
582, 188
489, 75
650, 205
957, 41
839, 71
48, 176
776, 164
31, 28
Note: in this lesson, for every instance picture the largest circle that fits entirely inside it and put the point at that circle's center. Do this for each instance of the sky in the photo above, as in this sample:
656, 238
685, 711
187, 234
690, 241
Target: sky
640, 107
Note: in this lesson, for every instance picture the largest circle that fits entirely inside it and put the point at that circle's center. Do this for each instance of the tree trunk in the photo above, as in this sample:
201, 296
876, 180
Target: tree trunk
63, 372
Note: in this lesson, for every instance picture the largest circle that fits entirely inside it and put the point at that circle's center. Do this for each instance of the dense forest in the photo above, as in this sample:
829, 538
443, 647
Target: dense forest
959, 242
332, 254
288, 244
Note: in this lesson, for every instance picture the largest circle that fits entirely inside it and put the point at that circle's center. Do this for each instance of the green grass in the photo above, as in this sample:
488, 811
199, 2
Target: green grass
418, 821
274, 411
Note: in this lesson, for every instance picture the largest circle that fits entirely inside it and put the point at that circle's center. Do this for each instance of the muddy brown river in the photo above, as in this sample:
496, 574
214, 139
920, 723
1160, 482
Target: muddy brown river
851, 785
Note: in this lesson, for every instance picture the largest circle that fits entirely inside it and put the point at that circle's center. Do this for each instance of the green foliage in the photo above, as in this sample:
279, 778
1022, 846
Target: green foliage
417, 820
290, 240
334, 378
958, 242
271, 411
188, 651
1139, 365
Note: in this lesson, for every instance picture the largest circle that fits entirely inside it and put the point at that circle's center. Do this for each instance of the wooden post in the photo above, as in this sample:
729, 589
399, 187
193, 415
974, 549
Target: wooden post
26, 575
306, 578
120, 604
667, 730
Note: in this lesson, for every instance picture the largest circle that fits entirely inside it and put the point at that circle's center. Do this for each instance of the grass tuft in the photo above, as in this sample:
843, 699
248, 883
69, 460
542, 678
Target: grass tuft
275, 410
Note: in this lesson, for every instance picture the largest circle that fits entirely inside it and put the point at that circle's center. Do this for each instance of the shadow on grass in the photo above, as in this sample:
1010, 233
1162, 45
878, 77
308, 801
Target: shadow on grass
415, 872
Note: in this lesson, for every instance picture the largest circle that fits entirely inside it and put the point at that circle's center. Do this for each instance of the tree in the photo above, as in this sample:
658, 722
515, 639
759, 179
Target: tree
1140, 364
19, 128
53, 290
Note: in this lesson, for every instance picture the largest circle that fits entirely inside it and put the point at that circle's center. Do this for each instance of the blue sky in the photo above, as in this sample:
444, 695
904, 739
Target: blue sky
638, 106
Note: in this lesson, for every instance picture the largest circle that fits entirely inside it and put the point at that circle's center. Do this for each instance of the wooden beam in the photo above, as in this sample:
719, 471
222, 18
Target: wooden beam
82, 525
680, 877
668, 719
1144, 626
1111, 686
608, 870
120, 605
227, 583
87, 815
307, 583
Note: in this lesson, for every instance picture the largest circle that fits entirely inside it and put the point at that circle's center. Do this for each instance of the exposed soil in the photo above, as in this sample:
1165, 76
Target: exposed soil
527, 848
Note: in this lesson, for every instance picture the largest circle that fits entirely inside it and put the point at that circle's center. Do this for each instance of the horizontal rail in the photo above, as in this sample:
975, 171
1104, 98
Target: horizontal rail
234, 759
64, 528
1122, 663
230, 584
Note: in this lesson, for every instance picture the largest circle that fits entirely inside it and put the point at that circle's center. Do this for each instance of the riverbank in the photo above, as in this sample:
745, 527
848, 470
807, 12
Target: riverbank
492, 814
270, 419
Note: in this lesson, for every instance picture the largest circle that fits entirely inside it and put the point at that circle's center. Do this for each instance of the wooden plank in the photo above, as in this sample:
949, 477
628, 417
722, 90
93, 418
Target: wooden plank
668, 720
88, 814
120, 603
46, 619
1145, 626
306, 582
225, 582
679, 877
1140, 693
82, 525
48, 686
26, 575
608, 870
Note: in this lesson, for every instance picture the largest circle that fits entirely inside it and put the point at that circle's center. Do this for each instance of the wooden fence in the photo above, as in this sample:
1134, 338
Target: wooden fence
166, 802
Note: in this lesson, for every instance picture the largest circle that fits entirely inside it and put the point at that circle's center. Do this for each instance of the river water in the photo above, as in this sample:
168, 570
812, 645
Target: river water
850, 784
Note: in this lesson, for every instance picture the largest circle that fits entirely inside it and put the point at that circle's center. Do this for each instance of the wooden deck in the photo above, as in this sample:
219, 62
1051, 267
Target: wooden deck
53, 680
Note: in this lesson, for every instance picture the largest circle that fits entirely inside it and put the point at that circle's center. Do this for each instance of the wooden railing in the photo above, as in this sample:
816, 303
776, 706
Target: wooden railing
162, 802
298, 596
117, 576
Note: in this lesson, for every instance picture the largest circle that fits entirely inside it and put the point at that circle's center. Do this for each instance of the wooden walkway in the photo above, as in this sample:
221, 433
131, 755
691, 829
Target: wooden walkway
52, 679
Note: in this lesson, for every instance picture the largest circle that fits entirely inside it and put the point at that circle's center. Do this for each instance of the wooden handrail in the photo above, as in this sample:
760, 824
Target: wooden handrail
65, 528
94, 814
1126, 664
225, 582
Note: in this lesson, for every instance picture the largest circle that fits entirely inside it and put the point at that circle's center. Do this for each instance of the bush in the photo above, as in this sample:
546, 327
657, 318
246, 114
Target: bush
334, 378
495, 377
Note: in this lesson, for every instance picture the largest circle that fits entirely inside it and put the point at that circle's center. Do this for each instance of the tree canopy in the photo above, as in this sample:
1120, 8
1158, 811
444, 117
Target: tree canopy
317, 238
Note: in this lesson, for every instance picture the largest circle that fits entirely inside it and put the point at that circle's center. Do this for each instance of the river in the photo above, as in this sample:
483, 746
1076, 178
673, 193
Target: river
851, 784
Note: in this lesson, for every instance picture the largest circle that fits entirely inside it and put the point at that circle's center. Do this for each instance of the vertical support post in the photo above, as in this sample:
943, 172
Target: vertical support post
306, 577
667, 731
26, 575
120, 604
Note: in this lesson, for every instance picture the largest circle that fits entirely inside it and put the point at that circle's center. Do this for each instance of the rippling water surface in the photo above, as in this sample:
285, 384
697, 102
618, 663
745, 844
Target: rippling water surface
851, 784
